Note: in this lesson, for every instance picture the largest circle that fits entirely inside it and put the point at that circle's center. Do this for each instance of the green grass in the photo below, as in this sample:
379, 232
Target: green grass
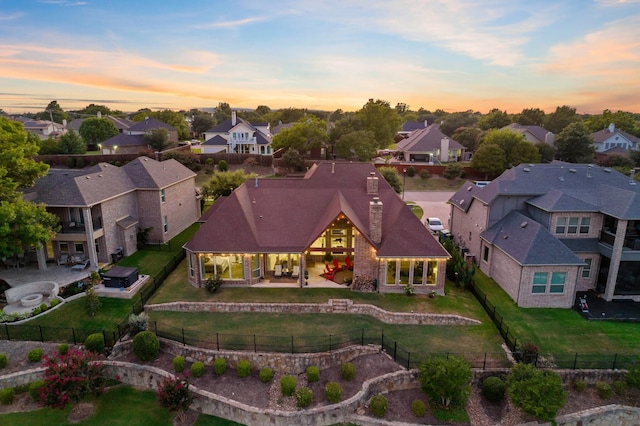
417, 210
434, 183
450, 414
561, 331
73, 314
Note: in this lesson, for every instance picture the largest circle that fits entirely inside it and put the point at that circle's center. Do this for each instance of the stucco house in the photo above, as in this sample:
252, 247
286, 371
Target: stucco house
102, 207
545, 231
237, 135
342, 209
430, 145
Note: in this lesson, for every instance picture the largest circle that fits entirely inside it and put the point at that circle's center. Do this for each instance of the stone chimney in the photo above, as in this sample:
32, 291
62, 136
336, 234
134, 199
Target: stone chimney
444, 149
375, 220
234, 118
372, 184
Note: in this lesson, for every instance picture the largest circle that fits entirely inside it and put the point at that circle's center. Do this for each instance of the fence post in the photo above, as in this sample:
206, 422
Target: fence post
119, 334
254, 343
41, 336
362, 338
6, 327
408, 360
183, 343
395, 349
484, 363
382, 339
155, 326
575, 361
73, 330
217, 342
291, 344
329, 343
615, 358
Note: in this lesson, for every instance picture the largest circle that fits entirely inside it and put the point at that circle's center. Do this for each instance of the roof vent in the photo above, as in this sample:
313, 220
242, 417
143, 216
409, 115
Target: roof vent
524, 224
607, 170
87, 177
505, 237
526, 169
562, 178
572, 170
461, 202
256, 184
470, 188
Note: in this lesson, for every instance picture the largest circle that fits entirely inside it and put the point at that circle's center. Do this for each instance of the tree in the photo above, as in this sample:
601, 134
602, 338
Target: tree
530, 117
621, 119
293, 159
516, 148
22, 223
289, 115
560, 118
523, 152
446, 380
391, 175
97, 130
262, 110
452, 171
574, 144
173, 394
48, 146
92, 301
54, 112
469, 137
536, 392
379, 118
489, 159
336, 115
93, 109
157, 139
302, 136
173, 118
202, 122
452, 122
360, 144
222, 112
496, 119
222, 184
71, 143
546, 152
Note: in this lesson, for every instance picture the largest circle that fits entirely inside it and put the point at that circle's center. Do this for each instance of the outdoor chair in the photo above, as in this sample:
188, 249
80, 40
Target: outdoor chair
336, 265
63, 259
278, 271
328, 273
295, 273
81, 266
347, 262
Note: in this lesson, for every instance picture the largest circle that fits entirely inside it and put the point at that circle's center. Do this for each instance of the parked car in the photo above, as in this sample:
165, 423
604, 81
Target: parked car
434, 224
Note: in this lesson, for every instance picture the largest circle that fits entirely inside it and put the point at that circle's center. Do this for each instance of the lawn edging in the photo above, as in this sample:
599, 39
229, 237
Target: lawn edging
333, 306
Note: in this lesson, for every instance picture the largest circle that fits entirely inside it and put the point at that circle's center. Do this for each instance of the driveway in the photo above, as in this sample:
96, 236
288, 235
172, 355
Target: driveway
433, 203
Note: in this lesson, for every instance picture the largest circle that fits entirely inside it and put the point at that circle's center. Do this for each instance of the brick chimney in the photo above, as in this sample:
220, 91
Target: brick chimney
372, 184
375, 220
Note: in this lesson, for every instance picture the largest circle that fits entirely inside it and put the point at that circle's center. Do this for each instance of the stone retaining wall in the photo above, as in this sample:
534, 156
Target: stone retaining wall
21, 378
609, 415
386, 317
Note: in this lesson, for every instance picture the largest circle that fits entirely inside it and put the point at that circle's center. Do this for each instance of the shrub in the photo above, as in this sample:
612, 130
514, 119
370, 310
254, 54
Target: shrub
333, 392
348, 371
222, 166
539, 393
633, 375
446, 379
213, 284
55, 302
493, 388
379, 406
63, 349
92, 301
266, 374
80, 163
178, 364
304, 397
7, 395
95, 343
71, 162
288, 385
35, 355
138, 323
424, 174
209, 161
529, 352
578, 385
313, 374
3, 360
43, 307
36, 311
34, 389
219, 366
197, 369
603, 389
418, 408
146, 346
411, 171
173, 393
243, 368
619, 387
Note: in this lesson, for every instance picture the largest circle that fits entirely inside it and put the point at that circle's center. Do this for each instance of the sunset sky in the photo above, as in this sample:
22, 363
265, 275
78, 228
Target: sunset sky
450, 54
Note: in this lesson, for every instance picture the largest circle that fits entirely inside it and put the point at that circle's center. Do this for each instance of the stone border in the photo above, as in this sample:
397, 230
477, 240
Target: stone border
333, 306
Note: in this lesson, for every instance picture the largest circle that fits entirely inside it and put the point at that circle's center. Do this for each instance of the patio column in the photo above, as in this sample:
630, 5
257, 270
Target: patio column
42, 259
91, 242
616, 255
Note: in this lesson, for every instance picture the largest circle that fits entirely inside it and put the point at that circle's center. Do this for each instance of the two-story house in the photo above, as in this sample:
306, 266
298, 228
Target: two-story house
237, 135
545, 231
101, 208
341, 210
612, 138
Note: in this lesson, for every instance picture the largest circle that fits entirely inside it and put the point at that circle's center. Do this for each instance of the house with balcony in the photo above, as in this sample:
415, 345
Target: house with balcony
101, 208
237, 135
343, 211
545, 231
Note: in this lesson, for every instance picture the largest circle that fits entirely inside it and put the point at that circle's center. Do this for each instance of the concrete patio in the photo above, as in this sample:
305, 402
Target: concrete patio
62, 275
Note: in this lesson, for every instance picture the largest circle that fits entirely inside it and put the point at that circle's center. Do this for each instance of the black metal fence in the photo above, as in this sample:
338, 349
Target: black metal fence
496, 317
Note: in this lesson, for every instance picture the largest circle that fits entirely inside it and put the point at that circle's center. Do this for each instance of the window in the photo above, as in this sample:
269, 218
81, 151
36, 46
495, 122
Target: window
192, 261
255, 266
573, 225
485, 254
165, 224
404, 272
539, 282
585, 225
64, 247
470, 235
561, 224
78, 247
586, 269
163, 196
557, 282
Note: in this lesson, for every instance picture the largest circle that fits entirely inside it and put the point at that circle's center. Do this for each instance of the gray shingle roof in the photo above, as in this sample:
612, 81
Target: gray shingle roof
122, 139
216, 140
149, 124
538, 132
604, 134
428, 139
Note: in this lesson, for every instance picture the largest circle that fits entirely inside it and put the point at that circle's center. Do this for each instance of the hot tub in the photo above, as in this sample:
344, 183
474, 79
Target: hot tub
120, 277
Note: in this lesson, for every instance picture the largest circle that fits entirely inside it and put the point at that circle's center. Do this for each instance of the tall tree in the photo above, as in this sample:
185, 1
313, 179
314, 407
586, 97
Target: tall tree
222, 184
470, 137
489, 159
514, 145
360, 144
560, 118
496, 119
621, 119
157, 139
222, 112
202, 122
304, 135
452, 122
54, 112
21, 223
546, 151
379, 118
391, 175
262, 110
574, 144
530, 117
97, 130
71, 143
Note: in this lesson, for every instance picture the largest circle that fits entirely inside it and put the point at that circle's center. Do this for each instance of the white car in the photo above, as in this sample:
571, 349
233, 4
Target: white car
434, 224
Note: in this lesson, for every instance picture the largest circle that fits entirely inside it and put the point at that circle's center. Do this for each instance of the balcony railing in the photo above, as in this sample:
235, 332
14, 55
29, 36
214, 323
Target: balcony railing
631, 240
78, 227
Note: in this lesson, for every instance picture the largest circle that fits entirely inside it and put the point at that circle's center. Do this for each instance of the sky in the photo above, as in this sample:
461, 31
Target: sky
454, 55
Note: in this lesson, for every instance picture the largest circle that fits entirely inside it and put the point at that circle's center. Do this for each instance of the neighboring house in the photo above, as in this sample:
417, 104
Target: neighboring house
102, 207
341, 209
148, 124
430, 145
534, 134
410, 126
614, 139
124, 144
545, 231
122, 124
237, 135
44, 128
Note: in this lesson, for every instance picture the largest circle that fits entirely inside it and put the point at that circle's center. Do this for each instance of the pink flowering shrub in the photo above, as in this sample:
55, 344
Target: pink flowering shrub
71, 377
173, 393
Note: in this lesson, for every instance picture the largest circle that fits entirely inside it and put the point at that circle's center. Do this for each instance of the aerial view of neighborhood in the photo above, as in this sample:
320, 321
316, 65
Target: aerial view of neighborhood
320, 213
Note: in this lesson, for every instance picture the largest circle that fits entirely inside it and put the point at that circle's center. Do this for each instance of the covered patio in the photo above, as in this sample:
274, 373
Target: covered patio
593, 307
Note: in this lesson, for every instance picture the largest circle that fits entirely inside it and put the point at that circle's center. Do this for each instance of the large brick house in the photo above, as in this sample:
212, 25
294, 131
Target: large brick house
237, 135
545, 231
344, 209
102, 207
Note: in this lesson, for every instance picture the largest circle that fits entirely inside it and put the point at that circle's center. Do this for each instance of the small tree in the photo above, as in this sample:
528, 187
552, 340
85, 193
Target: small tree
92, 301
173, 394
446, 379
157, 139
536, 392
452, 172
293, 159
70, 378
391, 175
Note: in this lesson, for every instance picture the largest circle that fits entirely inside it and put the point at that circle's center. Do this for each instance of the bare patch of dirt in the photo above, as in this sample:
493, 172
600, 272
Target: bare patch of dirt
80, 412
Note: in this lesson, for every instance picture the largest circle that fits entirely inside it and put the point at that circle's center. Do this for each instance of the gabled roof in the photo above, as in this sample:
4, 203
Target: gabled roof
149, 124
216, 140
464, 196
605, 134
227, 125
261, 138
146, 173
428, 139
528, 242
540, 133
122, 139
410, 126
288, 214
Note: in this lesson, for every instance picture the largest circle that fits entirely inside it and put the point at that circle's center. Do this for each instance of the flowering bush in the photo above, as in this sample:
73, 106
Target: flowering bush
173, 393
70, 378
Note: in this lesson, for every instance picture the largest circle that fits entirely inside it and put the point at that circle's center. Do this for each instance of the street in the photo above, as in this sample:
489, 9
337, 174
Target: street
434, 203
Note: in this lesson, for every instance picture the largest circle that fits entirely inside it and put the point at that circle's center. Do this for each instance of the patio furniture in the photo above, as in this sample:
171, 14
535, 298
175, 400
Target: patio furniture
278, 271
63, 259
336, 265
296, 271
347, 262
328, 273
81, 266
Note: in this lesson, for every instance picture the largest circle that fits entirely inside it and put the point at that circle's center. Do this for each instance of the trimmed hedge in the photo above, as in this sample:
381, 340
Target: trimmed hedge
243, 369
379, 406
197, 369
348, 371
304, 397
333, 392
35, 355
418, 408
266, 374
493, 388
219, 366
146, 346
3, 360
313, 374
288, 385
7, 395
63, 349
178, 364
95, 343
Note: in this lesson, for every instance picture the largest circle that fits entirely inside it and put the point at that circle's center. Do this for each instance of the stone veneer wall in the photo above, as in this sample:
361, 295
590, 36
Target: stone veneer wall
317, 308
